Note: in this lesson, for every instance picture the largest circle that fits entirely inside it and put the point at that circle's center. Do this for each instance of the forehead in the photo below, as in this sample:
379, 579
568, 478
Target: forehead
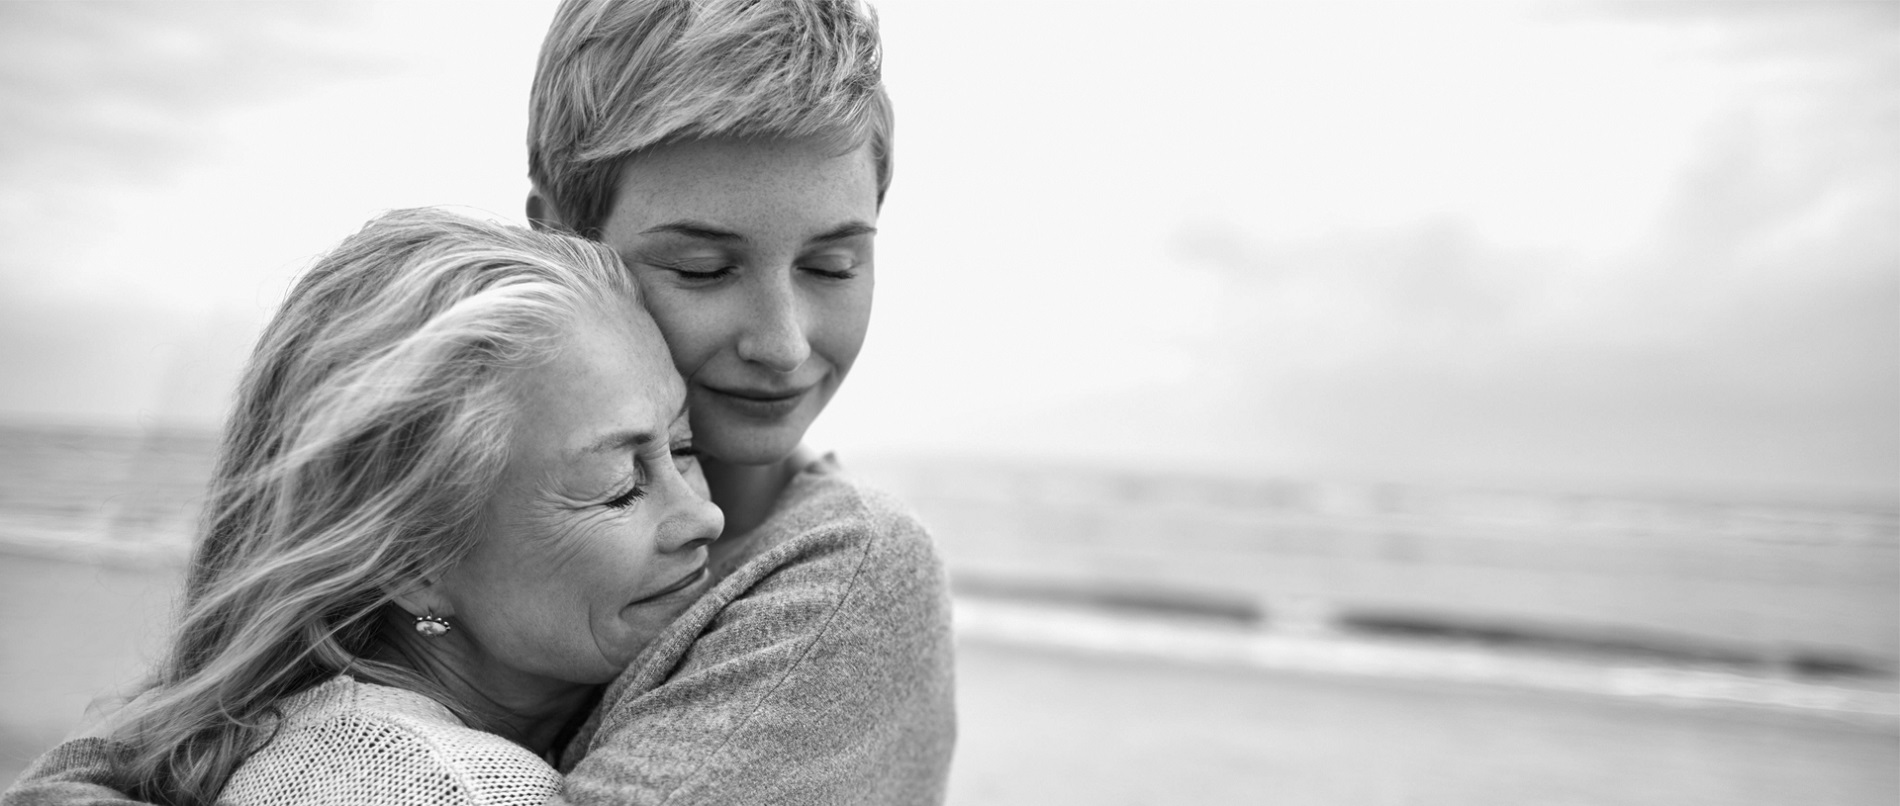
760, 184
610, 372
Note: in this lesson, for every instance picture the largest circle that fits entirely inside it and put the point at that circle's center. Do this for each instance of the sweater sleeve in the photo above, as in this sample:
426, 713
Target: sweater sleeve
76, 773
827, 682
356, 758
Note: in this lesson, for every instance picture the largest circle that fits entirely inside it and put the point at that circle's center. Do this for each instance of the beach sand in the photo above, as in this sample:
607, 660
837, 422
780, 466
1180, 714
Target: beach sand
1048, 727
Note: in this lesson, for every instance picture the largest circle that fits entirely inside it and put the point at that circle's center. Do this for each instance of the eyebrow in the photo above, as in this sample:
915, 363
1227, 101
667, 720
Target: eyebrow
849, 230
696, 230
700, 230
619, 441
622, 440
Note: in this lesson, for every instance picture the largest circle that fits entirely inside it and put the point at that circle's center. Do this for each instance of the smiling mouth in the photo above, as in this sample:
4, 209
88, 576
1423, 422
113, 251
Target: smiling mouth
758, 396
760, 405
684, 582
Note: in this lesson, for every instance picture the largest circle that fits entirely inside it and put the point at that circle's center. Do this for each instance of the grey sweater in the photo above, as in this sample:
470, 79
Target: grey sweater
817, 672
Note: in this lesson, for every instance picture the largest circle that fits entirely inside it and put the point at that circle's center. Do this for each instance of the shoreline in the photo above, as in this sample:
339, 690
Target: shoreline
1308, 637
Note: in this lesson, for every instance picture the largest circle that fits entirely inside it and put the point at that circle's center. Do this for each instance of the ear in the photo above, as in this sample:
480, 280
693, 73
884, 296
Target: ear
542, 214
423, 597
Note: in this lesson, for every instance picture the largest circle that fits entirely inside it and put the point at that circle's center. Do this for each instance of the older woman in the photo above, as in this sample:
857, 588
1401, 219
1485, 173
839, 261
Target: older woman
456, 496
735, 155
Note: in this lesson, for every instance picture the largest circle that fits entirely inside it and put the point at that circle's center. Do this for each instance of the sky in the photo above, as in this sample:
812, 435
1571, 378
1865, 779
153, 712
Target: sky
1585, 246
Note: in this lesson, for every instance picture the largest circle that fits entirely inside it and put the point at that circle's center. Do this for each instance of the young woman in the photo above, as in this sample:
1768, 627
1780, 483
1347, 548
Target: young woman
735, 155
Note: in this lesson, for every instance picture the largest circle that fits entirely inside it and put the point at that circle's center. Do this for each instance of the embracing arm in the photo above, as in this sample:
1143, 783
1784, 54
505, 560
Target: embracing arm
827, 682
79, 772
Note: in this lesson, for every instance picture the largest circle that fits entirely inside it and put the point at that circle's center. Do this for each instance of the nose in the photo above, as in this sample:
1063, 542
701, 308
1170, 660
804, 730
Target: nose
695, 521
775, 336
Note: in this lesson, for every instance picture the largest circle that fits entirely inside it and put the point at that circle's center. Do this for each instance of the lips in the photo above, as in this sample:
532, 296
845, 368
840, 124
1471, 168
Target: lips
761, 395
692, 578
763, 404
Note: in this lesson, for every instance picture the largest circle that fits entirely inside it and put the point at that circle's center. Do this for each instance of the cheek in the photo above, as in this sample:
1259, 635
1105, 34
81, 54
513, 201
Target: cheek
517, 577
694, 329
511, 617
842, 326
553, 612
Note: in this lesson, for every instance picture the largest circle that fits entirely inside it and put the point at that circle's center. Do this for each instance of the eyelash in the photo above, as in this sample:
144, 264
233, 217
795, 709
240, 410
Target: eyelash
727, 271
690, 274
626, 499
638, 490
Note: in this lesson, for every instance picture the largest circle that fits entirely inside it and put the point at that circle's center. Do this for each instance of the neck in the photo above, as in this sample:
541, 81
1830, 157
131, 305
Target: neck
533, 712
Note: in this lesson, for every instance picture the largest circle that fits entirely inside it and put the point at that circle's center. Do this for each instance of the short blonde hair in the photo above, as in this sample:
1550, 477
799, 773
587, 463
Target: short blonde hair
372, 424
617, 77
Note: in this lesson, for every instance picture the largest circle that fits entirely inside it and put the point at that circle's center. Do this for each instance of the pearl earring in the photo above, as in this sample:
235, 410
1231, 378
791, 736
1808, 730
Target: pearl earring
432, 626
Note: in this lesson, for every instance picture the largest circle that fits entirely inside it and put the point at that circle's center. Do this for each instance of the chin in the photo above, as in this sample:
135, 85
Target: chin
736, 440
752, 446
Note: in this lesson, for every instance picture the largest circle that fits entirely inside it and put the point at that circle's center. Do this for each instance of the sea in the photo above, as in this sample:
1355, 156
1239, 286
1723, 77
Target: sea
1247, 570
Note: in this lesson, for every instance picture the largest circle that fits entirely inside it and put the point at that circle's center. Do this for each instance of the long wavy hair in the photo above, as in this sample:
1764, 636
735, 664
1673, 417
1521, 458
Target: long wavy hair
371, 424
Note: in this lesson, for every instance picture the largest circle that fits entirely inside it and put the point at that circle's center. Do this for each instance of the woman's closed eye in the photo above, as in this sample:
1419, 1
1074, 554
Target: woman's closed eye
830, 266
683, 455
832, 274
627, 499
637, 488
696, 270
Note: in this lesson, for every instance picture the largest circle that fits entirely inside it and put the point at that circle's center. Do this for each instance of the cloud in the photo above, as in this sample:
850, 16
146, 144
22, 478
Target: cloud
119, 91
106, 102
1747, 340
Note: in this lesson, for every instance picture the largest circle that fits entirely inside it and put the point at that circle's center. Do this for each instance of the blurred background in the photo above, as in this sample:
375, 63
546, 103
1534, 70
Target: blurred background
1315, 402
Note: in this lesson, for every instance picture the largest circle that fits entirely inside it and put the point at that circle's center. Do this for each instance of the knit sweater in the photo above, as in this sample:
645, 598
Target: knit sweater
818, 672
358, 744
343, 743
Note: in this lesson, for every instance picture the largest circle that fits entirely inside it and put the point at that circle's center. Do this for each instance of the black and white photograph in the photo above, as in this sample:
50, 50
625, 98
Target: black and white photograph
1292, 402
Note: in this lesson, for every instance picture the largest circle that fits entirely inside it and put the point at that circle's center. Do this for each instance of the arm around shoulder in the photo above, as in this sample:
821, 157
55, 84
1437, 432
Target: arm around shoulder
829, 680
79, 772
